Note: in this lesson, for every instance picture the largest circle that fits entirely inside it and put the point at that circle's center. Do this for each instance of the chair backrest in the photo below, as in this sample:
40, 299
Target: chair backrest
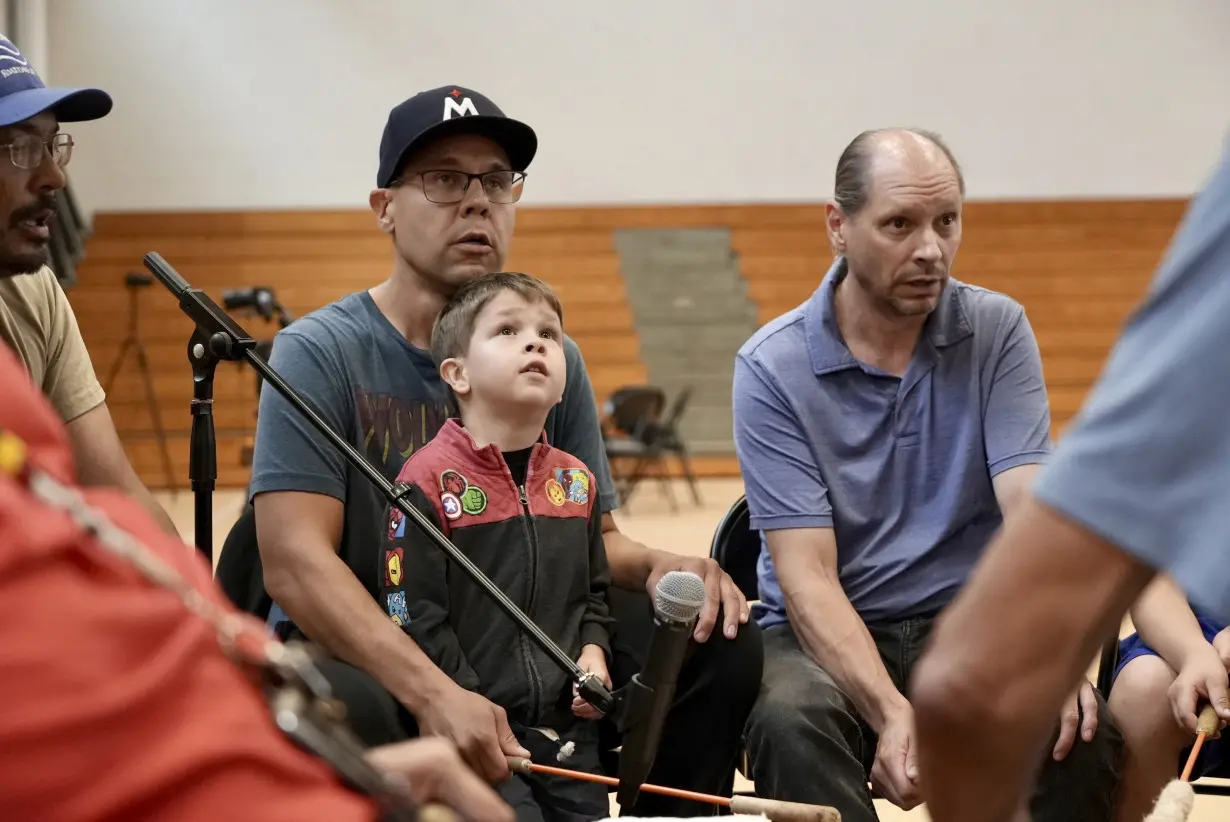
240, 574
636, 408
736, 548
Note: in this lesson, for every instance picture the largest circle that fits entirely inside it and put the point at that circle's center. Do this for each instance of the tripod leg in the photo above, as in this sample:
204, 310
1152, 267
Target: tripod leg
117, 365
156, 415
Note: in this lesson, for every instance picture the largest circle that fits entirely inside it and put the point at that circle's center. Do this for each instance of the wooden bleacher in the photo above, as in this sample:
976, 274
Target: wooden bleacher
1078, 268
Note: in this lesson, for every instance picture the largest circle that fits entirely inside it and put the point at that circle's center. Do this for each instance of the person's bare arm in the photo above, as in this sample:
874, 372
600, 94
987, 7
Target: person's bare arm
1164, 620
1079, 714
828, 627
832, 633
1000, 664
298, 533
101, 461
1012, 487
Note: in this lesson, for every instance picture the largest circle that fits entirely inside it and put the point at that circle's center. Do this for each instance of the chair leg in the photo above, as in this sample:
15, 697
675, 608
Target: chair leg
633, 478
667, 482
686, 462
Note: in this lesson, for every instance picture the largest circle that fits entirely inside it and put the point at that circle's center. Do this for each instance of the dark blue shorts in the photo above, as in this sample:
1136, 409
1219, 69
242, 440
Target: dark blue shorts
1215, 753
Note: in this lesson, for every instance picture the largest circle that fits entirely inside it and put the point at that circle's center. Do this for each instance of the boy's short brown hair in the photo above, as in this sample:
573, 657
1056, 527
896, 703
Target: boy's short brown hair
450, 336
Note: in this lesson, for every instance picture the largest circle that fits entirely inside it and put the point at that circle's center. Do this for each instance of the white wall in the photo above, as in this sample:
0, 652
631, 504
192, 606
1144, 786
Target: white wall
280, 103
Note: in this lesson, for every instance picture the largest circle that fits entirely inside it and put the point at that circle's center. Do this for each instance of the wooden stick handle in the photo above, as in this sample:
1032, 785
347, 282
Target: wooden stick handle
435, 812
780, 811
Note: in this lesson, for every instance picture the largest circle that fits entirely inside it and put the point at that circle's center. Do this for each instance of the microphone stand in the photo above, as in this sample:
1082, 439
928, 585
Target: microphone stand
203, 447
217, 337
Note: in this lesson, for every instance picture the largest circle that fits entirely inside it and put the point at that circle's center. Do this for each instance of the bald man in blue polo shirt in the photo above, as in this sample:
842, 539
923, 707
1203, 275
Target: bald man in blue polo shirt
885, 429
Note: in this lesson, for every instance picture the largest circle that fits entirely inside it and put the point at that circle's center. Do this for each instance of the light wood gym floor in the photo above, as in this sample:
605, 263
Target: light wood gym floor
650, 520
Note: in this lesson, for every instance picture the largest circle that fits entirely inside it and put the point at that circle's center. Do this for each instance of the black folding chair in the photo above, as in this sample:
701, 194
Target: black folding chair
736, 549
671, 442
643, 436
632, 446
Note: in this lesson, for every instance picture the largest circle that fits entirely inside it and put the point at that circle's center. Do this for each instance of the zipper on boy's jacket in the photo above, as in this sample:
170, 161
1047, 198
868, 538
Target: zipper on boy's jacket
535, 683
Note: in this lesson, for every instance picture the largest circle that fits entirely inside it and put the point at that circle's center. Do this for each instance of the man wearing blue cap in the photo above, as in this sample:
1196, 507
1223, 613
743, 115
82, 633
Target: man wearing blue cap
120, 701
452, 167
36, 320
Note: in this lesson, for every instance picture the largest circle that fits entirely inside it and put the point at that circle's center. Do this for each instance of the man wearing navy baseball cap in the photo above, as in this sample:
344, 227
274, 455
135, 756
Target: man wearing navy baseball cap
451, 170
36, 320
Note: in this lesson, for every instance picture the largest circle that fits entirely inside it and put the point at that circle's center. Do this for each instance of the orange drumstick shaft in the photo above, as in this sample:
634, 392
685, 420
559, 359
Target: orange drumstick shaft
610, 780
1191, 759
1207, 724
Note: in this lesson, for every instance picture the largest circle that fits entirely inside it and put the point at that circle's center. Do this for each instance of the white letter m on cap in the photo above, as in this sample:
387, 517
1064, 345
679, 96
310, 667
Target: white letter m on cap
463, 108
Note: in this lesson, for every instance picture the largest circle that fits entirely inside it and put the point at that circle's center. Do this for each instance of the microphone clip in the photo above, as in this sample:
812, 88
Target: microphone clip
630, 704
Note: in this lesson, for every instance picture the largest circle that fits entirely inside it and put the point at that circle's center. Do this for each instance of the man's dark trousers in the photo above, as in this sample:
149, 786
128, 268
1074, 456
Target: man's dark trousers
807, 743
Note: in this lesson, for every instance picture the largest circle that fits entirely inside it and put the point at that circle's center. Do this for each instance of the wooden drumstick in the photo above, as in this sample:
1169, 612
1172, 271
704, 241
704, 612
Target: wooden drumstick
1175, 802
774, 809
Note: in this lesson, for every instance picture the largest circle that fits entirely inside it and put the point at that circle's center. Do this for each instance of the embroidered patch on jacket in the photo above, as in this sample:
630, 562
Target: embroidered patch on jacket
575, 483
451, 505
474, 501
555, 492
392, 566
396, 606
453, 483
397, 523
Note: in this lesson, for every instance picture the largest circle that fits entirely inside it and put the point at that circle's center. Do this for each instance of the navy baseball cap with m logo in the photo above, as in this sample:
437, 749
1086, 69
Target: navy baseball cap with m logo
23, 94
445, 111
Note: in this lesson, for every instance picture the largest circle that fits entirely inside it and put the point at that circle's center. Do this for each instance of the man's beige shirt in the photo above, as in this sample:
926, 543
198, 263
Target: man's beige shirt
38, 324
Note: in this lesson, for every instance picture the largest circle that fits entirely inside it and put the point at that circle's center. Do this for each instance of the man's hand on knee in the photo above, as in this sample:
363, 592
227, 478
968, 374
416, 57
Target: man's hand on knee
894, 775
436, 773
721, 593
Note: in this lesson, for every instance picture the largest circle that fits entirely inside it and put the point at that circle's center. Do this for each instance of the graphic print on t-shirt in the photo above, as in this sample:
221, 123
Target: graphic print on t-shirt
394, 428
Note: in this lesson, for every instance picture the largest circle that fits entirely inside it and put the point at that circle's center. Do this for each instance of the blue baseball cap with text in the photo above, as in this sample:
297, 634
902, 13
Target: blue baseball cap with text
445, 111
23, 94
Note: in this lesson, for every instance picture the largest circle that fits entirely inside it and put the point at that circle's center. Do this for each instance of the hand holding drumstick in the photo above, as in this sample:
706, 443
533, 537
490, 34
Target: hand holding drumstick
1175, 802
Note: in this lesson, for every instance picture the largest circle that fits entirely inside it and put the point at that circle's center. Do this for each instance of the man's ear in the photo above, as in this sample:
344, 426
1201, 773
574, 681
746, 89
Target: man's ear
381, 202
453, 371
835, 222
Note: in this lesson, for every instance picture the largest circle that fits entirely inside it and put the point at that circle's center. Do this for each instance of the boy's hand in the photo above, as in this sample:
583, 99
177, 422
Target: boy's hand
592, 659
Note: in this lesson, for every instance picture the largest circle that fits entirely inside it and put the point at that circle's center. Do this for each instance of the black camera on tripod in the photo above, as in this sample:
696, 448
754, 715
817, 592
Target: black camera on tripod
259, 300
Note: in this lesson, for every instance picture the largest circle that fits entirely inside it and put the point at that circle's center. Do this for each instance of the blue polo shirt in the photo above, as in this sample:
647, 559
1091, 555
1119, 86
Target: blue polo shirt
1146, 465
899, 467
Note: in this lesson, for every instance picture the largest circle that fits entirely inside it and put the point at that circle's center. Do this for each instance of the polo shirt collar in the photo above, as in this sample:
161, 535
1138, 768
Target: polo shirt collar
947, 325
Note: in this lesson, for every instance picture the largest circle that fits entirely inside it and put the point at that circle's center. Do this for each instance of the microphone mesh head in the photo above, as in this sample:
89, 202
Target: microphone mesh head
679, 596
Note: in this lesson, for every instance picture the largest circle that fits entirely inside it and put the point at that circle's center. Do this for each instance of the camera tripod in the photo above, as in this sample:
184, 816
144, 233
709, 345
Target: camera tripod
134, 283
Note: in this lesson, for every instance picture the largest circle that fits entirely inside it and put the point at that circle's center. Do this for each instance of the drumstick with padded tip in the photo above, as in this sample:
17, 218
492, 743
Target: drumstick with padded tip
1174, 803
774, 809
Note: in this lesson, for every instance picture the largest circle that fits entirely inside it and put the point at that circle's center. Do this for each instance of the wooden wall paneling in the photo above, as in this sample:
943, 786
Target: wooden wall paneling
1079, 267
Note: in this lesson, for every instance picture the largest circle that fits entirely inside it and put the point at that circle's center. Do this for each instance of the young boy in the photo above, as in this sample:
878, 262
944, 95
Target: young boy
527, 514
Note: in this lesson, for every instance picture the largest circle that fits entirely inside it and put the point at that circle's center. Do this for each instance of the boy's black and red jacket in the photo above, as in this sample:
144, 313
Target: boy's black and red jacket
540, 542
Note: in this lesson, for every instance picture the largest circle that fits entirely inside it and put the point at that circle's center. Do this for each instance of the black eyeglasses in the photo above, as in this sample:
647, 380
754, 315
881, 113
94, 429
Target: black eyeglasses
27, 150
448, 186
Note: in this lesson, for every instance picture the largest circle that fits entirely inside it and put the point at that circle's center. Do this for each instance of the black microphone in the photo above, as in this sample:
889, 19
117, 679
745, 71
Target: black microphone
677, 602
